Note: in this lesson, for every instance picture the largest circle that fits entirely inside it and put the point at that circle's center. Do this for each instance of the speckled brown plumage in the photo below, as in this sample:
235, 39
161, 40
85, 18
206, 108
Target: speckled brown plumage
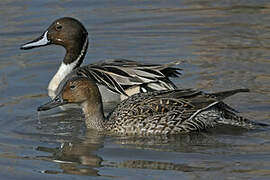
176, 111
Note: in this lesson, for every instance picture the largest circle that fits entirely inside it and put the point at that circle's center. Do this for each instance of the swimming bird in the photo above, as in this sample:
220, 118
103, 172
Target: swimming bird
151, 113
125, 77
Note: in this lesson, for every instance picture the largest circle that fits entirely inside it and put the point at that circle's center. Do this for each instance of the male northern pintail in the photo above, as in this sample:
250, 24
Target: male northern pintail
157, 112
120, 75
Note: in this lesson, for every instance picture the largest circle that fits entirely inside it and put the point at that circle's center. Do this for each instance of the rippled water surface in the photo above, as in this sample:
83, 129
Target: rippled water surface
225, 44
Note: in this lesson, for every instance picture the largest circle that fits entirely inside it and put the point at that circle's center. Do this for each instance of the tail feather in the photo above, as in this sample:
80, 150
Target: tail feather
243, 122
230, 118
169, 71
224, 94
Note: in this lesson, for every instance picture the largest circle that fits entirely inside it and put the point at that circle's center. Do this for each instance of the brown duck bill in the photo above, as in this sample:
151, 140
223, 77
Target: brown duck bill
40, 41
57, 101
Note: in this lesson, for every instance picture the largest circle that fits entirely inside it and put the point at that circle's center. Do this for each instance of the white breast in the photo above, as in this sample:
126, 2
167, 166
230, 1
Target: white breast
62, 72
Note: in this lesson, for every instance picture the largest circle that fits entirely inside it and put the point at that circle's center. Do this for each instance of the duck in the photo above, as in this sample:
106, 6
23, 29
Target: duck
164, 112
122, 76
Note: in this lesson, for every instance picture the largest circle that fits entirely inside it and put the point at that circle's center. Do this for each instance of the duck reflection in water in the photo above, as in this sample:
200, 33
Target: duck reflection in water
76, 156
84, 156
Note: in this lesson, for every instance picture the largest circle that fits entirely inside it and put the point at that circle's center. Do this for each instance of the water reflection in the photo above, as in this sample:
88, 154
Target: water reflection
77, 156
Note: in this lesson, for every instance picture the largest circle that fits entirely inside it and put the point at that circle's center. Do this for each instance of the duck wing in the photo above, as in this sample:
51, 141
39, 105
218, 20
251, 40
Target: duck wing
120, 74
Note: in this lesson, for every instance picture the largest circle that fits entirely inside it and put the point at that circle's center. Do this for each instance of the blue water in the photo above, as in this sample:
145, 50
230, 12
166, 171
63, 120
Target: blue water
223, 44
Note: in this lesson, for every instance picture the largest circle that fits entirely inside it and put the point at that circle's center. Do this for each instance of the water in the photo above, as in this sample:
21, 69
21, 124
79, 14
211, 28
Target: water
225, 45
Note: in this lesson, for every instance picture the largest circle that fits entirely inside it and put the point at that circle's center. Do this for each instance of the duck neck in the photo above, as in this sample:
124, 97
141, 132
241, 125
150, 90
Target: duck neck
73, 59
94, 115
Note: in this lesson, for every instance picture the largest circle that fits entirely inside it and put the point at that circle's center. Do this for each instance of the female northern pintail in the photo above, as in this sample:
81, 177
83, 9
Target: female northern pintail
120, 75
157, 112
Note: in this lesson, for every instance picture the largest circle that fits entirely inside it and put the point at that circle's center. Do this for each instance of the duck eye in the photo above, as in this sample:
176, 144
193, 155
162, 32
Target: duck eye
58, 27
72, 87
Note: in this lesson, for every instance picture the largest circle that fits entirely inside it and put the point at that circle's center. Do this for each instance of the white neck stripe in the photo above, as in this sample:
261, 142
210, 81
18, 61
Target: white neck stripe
82, 53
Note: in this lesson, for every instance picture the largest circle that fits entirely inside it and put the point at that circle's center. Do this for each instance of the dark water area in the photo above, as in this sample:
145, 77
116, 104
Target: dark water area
224, 45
